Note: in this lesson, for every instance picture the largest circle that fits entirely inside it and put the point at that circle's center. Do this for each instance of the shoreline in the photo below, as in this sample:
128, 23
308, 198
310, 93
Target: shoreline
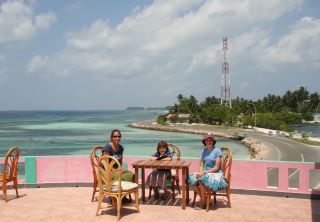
258, 150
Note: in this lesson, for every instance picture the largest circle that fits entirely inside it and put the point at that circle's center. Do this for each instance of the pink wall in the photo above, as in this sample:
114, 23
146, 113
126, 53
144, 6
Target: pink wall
64, 169
247, 175
252, 175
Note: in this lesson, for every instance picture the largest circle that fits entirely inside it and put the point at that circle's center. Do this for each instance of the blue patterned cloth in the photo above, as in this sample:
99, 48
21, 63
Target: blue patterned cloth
215, 181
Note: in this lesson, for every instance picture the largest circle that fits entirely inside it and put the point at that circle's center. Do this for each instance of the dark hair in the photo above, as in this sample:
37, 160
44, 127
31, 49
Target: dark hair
162, 144
114, 131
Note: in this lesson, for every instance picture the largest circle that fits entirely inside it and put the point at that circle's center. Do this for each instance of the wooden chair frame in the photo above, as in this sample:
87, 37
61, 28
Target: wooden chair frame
226, 169
114, 187
94, 158
175, 175
10, 171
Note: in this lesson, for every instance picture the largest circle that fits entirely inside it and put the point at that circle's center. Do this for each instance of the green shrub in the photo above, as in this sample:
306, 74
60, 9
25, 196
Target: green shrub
307, 116
161, 119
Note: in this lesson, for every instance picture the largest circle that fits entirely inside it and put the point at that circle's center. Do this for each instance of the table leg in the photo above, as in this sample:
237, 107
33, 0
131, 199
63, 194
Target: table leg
136, 175
143, 185
187, 176
183, 188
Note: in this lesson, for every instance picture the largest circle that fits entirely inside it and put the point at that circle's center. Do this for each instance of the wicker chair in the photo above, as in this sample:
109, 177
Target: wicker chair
94, 158
175, 173
111, 186
226, 164
10, 171
226, 169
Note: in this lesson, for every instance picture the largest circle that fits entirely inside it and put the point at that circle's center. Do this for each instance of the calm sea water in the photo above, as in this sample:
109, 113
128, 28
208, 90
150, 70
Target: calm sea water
313, 129
39, 133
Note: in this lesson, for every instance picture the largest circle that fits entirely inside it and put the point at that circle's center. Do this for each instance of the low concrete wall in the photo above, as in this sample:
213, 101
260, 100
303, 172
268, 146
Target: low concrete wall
246, 175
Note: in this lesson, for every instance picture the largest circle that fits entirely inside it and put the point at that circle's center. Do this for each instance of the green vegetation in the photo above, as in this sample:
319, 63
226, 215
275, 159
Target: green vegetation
272, 112
161, 119
306, 141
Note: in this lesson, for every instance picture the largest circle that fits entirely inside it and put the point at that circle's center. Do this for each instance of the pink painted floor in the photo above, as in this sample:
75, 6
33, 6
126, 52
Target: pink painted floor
74, 205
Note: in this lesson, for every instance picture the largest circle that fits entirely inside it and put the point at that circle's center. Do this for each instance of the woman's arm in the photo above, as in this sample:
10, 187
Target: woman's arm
105, 152
201, 168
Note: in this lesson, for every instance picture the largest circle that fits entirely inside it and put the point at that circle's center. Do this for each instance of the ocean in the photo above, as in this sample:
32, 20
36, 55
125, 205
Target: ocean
312, 129
50, 133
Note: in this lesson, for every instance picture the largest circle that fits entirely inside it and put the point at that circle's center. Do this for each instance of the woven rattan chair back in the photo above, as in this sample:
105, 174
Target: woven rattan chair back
10, 171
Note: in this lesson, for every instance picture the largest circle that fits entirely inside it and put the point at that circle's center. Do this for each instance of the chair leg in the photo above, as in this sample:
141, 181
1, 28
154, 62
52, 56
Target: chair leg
4, 190
172, 188
229, 199
136, 196
130, 198
119, 201
150, 191
99, 205
15, 183
215, 198
94, 191
208, 199
177, 182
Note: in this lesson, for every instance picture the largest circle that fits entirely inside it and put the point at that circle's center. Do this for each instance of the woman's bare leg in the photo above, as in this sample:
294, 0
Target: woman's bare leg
196, 189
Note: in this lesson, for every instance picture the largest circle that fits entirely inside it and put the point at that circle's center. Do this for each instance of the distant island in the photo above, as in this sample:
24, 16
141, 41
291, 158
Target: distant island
135, 108
148, 108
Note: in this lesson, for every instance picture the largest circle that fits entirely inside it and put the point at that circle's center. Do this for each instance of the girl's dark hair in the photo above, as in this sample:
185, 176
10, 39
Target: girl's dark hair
163, 144
114, 131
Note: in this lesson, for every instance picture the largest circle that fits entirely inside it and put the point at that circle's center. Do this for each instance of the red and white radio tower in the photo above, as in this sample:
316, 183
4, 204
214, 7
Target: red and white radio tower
225, 76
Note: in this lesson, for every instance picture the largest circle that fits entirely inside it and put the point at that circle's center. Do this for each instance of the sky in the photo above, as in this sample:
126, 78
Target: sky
99, 54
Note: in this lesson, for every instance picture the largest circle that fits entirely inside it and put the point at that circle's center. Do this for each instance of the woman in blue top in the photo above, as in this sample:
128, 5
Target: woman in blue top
210, 173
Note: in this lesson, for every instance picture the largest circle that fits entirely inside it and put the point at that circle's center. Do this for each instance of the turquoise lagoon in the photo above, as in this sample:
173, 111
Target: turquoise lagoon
42, 133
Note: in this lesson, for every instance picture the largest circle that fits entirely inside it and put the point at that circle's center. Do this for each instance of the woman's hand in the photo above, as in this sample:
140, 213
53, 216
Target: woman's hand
200, 174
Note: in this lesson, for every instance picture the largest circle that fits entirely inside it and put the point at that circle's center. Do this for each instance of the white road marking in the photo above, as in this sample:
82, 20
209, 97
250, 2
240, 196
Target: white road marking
302, 157
287, 144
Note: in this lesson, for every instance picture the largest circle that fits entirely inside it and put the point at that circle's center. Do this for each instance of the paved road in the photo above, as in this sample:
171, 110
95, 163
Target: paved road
287, 150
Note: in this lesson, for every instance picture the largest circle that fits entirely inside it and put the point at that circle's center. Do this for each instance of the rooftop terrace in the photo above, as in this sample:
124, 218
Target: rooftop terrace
288, 191
73, 204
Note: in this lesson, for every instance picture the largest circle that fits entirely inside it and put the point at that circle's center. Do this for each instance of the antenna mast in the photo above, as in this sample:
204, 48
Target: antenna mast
225, 76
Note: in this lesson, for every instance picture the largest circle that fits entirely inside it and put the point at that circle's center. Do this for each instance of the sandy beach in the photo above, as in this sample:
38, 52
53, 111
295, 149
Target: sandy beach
257, 149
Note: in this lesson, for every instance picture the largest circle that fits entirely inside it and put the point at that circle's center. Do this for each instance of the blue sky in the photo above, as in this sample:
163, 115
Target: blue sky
98, 54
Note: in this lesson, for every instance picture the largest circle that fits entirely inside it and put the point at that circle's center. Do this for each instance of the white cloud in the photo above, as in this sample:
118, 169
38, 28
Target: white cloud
181, 42
47, 67
300, 46
19, 23
174, 34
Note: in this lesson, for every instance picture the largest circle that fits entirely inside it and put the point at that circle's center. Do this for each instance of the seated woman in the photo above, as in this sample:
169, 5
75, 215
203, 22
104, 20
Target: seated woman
157, 178
115, 149
210, 173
